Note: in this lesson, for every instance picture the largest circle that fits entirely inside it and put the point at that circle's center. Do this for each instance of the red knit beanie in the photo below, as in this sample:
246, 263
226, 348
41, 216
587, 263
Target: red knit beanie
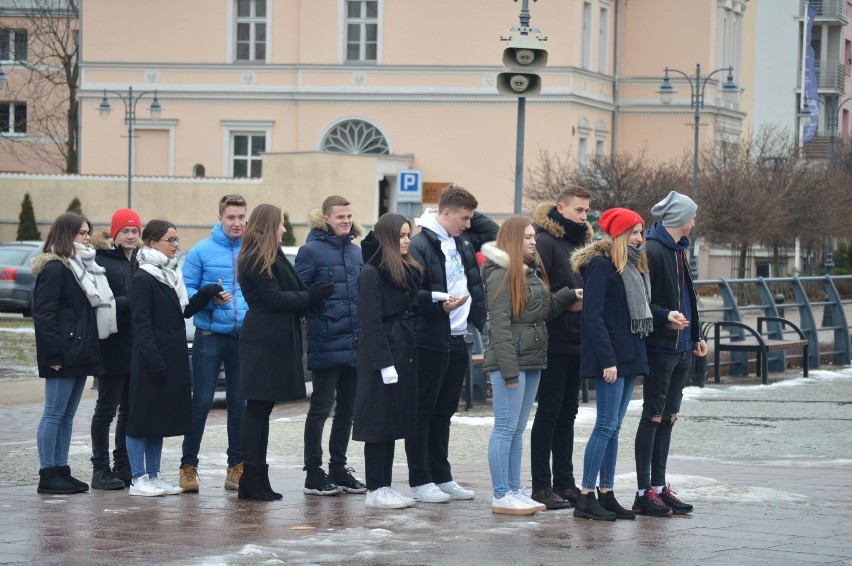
617, 221
124, 217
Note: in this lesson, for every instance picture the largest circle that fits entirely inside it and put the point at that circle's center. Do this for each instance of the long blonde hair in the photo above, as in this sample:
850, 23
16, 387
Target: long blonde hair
261, 243
618, 253
510, 239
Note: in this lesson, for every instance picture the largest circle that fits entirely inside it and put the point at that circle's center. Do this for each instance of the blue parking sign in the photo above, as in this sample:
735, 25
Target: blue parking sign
410, 186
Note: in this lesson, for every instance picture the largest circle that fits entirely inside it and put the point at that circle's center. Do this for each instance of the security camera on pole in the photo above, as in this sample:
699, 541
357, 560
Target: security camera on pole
523, 57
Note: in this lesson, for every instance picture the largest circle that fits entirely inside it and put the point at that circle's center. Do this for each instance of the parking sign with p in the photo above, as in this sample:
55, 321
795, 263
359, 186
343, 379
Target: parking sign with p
410, 186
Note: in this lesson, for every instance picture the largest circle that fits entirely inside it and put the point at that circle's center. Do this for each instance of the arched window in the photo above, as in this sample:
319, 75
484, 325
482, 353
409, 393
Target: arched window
198, 171
355, 136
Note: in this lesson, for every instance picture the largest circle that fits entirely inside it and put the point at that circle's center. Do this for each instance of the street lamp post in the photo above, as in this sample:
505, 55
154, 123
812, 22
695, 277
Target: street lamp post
832, 119
130, 99
697, 86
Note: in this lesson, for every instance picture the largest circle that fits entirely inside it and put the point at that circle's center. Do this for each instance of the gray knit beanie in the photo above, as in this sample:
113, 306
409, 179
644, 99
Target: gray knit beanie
675, 210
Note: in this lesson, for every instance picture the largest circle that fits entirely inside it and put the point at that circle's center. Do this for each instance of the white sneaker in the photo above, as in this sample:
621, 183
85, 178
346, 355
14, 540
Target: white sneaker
411, 502
523, 495
511, 504
385, 498
429, 493
168, 488
455, 491
143, 486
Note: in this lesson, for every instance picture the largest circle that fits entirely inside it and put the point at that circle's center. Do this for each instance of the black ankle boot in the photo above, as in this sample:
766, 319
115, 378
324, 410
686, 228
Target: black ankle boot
265, 469
588, 508
51, 483
252, 485
65, 473
607, 501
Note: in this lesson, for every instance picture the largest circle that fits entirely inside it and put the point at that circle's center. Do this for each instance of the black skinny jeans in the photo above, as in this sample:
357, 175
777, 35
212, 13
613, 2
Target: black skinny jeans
553, 427
329, 384
254, 433
378, 464
112, 396
662, 394
439, 381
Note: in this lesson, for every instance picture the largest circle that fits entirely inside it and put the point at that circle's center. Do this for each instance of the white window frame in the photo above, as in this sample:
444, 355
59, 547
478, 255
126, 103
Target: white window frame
11, 105
232, 35
586, 36
230, 128
11, 32
603, 40
343, 35
583, 151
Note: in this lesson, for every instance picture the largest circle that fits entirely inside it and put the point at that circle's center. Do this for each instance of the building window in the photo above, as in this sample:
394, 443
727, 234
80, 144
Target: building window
362, 30
246, 148
600, 148
583, 152
13, 117
587, 35
251, 30
355, 136
603, 41
13, 44
199, 171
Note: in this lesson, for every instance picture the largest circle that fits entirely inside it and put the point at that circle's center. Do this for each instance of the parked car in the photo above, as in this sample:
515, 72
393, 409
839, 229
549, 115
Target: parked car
17, 283
290, 253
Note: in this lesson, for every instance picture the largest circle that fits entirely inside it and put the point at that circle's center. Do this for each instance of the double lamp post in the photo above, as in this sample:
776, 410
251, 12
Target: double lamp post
697, 87
130, 99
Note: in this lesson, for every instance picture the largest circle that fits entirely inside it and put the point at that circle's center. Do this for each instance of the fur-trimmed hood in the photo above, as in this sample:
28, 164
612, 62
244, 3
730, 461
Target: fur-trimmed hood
584, 256
541, 218
39, 261
317, 220
498, 256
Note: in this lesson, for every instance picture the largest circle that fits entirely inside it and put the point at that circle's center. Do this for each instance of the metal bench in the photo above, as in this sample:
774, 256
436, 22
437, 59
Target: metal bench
758, 344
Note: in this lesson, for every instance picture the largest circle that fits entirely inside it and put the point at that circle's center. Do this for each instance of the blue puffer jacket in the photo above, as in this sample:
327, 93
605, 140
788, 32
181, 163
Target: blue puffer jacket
212, 259
326, 258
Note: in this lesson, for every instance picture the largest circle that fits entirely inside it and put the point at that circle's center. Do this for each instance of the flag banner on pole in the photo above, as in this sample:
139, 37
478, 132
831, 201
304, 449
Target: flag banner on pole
810, 86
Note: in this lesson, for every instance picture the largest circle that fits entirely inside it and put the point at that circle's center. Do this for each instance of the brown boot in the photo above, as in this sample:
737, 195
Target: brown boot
188, 480
232, 480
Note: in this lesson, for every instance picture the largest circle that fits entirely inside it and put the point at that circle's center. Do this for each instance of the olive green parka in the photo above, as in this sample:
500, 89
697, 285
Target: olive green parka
518, 344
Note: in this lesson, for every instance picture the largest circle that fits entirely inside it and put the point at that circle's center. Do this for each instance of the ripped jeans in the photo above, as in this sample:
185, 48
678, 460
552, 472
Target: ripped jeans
662, 394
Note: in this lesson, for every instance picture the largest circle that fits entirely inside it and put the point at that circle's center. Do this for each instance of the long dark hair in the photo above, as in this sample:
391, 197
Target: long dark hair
387, 235
63, 232
261, 243
155, 230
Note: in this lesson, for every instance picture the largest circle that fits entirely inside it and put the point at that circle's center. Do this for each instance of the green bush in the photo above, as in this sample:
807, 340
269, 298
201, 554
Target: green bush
289, 238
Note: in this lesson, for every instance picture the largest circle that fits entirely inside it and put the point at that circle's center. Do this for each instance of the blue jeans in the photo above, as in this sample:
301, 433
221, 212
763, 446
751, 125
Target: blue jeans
512, 408
144, 453
602, 449
61, 399
209, 351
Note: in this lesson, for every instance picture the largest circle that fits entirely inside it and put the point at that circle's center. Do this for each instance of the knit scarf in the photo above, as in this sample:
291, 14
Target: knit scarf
92, 279
164, 270
637, 285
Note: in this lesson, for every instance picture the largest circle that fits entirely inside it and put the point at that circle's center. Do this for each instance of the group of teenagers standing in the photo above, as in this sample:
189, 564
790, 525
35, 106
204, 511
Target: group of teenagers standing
386, 329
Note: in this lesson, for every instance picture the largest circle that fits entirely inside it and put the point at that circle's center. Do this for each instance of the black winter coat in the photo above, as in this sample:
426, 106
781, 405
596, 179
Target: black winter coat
385, 412
271, 339
326, 258
66, 332
606, 338
432, 325
668, 271
116, 349
554, 247
159, 343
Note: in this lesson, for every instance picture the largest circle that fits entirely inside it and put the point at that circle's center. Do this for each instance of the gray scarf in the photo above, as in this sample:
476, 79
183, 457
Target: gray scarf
638, 288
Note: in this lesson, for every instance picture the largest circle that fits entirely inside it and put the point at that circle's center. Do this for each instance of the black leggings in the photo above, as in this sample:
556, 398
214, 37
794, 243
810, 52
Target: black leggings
254, 435
378, 464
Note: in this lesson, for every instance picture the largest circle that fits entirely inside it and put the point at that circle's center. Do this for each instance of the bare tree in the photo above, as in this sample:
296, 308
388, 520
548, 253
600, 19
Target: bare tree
623, 180
49, 79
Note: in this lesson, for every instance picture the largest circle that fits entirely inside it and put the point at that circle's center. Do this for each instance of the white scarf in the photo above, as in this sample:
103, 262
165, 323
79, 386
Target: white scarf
165, 270
93, 281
